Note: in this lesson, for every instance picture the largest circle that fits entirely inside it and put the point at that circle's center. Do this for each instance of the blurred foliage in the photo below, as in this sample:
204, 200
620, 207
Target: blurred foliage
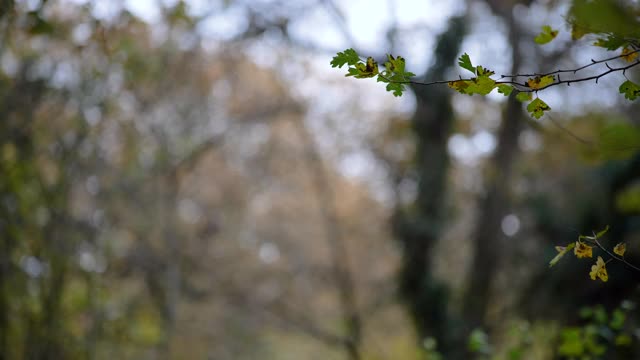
602, 333
162, 196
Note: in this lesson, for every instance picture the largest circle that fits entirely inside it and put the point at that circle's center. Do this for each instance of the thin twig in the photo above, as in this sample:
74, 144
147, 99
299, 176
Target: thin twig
594, 240
593, 62
525, 87
573, 135
614, 256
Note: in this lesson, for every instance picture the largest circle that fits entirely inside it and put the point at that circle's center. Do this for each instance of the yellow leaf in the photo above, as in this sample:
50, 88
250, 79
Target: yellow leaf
583, 250
459, 85
370, 69
629, 54
599, 270
620, 249
578, 32
540, 82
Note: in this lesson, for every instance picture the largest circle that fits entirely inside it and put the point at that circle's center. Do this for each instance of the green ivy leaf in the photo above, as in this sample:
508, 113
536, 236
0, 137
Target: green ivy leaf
537, 108
524, 96
465, 62
505, 89
349, 57
546, 35
630, 90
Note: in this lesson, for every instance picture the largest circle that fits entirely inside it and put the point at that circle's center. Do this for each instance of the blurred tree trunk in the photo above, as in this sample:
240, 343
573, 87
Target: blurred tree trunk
17, 112
494, 205
168, 281
335, 237
418, 228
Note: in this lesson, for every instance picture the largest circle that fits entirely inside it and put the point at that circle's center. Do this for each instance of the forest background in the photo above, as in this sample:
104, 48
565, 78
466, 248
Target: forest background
191, 179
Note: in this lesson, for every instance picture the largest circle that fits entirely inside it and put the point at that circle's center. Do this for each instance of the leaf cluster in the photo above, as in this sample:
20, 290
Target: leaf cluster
394, 74
584, 18
583, 248
483, 84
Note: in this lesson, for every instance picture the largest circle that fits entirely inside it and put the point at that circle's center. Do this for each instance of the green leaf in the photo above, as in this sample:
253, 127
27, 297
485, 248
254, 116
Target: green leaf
396, 88
571, 342
524, 96
465, 62
505, 89
619, 141
479, 342
562, 250
482, 71
516, 354
396, 68
39, 26
353, 72
578, 31
382, 77
617, 319
481, 85
602, 232
611, 42
362, 70
623, 340
349, 57
459, 85
628, 199
395, 65
546, 35
630, 90
586, 312
600, 315
617, 18
537, 108
395, 75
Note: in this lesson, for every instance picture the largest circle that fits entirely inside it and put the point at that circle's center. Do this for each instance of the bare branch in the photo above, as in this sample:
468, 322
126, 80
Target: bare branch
593, 62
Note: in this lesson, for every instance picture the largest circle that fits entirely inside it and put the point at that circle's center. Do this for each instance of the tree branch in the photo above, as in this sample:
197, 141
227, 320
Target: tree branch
523, 87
